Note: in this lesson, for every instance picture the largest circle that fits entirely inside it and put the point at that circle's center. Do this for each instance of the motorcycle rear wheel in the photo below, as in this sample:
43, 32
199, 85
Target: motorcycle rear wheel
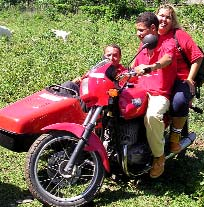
51, 185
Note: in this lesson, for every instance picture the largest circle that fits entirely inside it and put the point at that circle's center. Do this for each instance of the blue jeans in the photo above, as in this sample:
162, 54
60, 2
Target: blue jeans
181, 97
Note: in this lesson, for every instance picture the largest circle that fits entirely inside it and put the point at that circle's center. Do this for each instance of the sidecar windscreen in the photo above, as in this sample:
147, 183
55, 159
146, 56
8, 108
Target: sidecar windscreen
99, 64
61, 90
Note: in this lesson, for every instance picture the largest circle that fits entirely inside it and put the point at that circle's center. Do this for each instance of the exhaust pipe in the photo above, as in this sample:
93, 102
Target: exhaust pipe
185, 142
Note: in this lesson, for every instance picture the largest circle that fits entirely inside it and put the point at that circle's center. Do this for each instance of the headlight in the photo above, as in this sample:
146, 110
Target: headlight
84, 86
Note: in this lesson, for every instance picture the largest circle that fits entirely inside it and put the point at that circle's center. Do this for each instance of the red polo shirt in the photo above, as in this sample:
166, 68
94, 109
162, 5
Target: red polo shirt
189, 47
160, 81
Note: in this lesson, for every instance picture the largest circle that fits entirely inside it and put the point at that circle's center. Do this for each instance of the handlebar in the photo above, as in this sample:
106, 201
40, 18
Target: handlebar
147, 70
132, 73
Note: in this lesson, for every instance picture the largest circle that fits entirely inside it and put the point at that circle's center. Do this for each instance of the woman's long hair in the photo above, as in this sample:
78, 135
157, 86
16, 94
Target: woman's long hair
175, 22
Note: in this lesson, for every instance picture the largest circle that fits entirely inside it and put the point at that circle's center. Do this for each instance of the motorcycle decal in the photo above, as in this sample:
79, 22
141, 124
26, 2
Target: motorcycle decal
51, 97
137, 102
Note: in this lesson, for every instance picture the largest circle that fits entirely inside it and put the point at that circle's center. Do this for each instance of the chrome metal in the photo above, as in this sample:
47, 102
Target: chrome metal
125, 160
88, 117
146, 170
125, 164
92, 115
96, 114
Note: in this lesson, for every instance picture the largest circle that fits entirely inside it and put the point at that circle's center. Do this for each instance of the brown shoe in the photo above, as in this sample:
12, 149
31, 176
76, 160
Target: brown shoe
157, 167
175, 147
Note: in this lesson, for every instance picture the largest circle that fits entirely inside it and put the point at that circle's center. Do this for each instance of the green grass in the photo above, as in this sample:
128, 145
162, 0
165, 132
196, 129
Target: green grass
34, 58
180, 186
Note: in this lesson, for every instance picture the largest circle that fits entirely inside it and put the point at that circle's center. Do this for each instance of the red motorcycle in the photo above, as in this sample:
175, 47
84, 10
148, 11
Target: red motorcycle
66, 165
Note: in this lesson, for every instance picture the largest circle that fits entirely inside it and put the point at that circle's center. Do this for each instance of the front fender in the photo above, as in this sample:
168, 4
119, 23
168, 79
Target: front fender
94, 143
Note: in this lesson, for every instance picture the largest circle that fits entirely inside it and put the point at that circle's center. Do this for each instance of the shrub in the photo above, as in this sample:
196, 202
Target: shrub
111, 9
114, 9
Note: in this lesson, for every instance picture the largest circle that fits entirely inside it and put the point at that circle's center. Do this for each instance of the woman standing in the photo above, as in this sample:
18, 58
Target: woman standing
184, 88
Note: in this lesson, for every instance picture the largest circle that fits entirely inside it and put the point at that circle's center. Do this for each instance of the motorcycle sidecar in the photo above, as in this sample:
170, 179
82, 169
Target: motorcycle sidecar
21, 122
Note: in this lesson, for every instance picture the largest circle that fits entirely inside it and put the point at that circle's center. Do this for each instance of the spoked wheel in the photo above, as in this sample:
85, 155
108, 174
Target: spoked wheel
50, 183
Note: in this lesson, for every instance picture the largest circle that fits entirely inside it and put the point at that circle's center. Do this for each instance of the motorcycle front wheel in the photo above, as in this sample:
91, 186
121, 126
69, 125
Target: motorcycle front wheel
46, 178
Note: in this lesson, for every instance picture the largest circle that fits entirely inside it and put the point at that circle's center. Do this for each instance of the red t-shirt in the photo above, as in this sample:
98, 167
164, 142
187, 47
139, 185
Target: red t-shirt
158, 82
121, 69
189, 47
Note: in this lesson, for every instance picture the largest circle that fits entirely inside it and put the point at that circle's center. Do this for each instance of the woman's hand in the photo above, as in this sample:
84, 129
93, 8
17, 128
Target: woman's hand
191, 85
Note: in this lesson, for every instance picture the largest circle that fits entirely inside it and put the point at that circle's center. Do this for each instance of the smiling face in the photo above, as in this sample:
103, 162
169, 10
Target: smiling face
143, 30
146, 23
113, 54
165, 21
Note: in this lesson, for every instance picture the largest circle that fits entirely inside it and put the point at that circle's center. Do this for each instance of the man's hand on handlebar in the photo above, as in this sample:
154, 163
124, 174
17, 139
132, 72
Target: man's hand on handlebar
142, 69
139, 70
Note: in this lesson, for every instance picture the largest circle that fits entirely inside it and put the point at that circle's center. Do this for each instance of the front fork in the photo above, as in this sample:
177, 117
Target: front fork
89, 124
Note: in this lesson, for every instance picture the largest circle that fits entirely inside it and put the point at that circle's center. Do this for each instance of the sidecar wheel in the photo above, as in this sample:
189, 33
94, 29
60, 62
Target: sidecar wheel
46, 178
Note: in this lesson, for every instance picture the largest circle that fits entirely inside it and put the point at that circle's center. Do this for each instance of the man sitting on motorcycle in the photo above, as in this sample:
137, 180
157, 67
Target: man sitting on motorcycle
158, 83
111, 52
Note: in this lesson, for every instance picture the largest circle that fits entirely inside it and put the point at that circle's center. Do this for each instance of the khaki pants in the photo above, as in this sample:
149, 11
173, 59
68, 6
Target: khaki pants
157, 107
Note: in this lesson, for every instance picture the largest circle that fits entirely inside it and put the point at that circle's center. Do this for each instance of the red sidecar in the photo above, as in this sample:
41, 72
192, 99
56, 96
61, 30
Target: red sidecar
21, 122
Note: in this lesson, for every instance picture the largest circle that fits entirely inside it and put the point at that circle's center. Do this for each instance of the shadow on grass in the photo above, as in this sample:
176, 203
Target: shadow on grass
182, 176
108, 197
11, 194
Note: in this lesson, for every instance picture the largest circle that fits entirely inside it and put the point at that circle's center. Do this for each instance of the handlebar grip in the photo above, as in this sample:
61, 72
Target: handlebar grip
147, 70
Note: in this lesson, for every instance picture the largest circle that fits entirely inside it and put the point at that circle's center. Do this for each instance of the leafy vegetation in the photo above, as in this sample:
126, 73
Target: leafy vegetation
35, 58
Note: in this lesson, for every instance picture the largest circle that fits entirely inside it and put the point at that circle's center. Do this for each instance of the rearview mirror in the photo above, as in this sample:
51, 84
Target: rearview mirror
150, 41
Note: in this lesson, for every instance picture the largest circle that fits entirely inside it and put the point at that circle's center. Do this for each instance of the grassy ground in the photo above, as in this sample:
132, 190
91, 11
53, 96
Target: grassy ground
34, 58
181, 185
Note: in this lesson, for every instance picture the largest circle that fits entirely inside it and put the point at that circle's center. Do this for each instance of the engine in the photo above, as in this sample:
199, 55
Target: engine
132, 136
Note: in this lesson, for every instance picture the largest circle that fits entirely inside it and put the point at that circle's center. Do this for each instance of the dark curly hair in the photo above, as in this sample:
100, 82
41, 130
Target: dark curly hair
148, 18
